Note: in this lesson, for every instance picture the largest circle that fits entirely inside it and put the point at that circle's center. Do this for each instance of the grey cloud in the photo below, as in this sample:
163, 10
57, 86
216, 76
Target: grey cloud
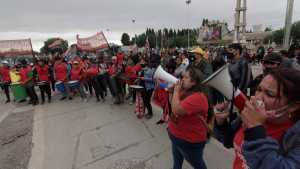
65, 16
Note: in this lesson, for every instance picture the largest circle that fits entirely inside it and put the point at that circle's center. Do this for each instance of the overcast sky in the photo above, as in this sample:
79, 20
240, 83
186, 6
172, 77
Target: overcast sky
41, 19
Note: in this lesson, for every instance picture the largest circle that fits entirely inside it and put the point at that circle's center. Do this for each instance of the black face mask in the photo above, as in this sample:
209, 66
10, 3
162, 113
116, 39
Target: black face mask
230, 55
267, 70
143, 65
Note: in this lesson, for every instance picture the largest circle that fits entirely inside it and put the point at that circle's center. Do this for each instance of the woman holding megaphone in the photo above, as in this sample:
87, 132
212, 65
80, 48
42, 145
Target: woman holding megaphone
187, 125
267, 133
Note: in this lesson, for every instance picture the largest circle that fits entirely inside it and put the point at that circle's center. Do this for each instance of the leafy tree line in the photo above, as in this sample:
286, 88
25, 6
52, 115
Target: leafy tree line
163, 38
278, 35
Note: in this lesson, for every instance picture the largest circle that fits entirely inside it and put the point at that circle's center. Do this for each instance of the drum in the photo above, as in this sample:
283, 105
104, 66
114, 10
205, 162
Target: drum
18, 91
74, 84
137, 88
139, 104
41, 83
60, 86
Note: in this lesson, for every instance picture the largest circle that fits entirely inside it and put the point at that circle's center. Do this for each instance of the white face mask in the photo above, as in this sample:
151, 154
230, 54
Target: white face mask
280, 112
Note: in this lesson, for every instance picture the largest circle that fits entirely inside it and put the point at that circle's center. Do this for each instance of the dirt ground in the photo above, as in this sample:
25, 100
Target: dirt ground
16, 140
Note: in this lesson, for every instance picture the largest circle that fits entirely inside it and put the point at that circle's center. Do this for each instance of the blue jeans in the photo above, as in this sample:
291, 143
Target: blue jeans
192, 152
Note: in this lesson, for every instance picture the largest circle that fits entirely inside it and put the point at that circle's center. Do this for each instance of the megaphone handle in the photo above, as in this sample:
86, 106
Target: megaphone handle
231, 115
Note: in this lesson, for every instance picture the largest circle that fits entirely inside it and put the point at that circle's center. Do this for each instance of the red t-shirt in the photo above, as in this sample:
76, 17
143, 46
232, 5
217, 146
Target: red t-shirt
131, 74
120, 57
42, 72
190, 127
112, 70
137, 67
92, 71
60, 71
76, 73
274, 131
24, 73
4, 73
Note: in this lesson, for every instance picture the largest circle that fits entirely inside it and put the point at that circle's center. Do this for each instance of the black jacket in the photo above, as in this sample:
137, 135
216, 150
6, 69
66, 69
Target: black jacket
241, 73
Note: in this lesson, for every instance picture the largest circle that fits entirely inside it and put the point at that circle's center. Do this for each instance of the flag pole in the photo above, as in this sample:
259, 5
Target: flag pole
113, 52
33, 55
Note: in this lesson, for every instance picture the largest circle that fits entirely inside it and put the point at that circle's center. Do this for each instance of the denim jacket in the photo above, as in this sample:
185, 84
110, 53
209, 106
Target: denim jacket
262, 152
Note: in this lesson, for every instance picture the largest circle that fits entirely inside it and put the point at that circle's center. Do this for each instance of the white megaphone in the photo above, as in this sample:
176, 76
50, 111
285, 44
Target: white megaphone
161, 74
221, 81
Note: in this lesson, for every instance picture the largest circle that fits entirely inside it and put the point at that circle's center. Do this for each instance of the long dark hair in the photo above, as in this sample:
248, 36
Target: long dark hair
289, 82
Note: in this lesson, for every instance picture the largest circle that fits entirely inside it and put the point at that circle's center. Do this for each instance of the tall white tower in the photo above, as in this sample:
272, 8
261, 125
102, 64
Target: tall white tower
288, 23
240, 20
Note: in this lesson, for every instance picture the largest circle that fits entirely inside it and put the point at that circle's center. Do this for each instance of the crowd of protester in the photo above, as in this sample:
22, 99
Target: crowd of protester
264, 136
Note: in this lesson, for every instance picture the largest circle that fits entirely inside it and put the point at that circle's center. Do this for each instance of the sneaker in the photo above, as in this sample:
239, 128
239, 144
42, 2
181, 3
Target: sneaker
70, 98
7, 101
148, 115
128, 97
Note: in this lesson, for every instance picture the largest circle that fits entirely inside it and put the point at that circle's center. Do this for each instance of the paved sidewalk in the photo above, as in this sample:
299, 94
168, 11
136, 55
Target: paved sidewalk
77, 135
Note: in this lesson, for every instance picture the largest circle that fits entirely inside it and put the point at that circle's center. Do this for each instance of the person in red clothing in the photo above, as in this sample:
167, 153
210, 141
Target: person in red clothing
269, 110
187, 126
61, 75
131, 75
92, 74
43, 79
85, 64
27, 81
115, 84
5, 79
77, 75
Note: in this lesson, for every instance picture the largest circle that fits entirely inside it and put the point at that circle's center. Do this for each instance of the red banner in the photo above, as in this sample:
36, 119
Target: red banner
92, 43
55, 44
15, 47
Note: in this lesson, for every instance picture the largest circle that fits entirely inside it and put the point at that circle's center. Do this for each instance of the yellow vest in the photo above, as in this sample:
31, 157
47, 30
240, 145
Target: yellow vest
15, 77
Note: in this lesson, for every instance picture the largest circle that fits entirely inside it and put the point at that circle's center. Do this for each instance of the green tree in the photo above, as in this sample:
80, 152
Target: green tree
167, 38
278, 35
125, 39
268, 29
295, 33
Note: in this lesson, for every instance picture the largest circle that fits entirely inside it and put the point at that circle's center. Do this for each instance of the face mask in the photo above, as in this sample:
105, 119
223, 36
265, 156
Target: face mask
230, 55
143, 65
267, 70
287, 109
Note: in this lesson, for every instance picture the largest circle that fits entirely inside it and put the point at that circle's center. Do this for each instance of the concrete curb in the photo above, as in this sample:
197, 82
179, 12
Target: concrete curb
38, 141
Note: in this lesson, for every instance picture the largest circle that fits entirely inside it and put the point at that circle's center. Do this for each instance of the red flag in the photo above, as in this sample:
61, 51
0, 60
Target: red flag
92, 43
15, 47
55, 43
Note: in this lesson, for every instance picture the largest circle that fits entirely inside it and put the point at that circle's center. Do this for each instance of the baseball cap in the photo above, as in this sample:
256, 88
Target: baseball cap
272, 58
198, 51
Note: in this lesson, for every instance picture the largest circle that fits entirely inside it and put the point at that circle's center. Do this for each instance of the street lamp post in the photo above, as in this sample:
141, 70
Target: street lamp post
188, 2
288, 23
